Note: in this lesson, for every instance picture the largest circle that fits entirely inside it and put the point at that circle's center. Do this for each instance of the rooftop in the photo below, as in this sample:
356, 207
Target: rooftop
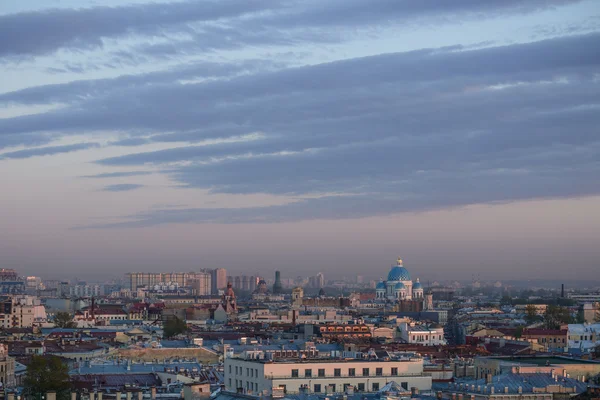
546, 360
527, 382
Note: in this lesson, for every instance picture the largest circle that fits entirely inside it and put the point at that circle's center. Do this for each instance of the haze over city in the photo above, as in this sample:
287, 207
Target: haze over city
305, 136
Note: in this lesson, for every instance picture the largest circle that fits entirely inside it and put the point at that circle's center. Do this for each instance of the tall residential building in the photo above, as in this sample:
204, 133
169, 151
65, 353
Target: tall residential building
218, 279
244, 282
317, 281
143, 279
201, 283
277, 286
10, 283
85, 291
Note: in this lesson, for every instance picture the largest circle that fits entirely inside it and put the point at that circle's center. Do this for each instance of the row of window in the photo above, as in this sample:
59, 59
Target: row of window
250, 386
250, 372
420, 338
360, 387
337, 372
549, 340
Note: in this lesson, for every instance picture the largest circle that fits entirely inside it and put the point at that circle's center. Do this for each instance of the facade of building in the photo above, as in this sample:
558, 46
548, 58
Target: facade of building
7, 368
243, 282
21, 312
399, 285
218, 279
201, 284
425, 335
317, 281
323, 375
85, 290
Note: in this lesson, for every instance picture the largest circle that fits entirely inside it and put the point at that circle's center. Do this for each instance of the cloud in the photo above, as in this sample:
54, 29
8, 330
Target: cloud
119, 174
48, 151
230, 23
245, 99
85, 28
121, 187
367, 136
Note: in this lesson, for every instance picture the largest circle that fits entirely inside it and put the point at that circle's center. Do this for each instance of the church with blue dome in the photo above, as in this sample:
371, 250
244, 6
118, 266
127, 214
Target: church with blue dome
399, 285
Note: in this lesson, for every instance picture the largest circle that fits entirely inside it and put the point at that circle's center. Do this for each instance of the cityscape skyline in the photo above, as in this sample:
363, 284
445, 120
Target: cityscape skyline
300, 136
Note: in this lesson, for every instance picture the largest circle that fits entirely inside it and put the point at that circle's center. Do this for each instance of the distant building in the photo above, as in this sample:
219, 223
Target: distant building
277, 286
244, 282
10, 282
85, 291
201, 284
425, 335
399, 285
317, 281
218, 279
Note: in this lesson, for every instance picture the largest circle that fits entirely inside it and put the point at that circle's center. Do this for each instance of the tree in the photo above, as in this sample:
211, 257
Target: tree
518, 332
46, 374
506, 300
531, 314
596, 351
555, 316
173, 327
63, 320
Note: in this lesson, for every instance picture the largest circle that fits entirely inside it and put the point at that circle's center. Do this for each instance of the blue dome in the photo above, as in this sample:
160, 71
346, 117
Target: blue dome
417, 286
400, 286
380, 285
398, 273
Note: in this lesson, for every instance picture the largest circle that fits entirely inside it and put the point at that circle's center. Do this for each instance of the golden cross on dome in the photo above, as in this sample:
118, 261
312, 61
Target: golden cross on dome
399, 261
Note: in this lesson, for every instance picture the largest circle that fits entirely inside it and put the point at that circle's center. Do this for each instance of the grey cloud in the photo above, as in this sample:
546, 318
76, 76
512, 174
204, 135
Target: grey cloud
26, 139
50, 30
390, 133
429, 192
185, 107
132, 141
47, 151
80, 90
119, 174
121, 187
217, 24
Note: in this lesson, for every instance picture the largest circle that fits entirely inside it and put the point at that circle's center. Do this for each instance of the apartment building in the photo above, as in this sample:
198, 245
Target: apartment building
254, 374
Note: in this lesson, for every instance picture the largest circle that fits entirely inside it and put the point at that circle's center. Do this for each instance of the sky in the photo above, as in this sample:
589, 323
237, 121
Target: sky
302, 136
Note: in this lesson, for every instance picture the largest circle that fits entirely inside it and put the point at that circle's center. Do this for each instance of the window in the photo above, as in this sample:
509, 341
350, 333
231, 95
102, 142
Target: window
294, 373
351, 372
332, 388
308, 373
321, 372
247, 371
395, 371
365, 371
317, 388
337, 372
375, 387
404, 385
361, 387
230, 380
379, 371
